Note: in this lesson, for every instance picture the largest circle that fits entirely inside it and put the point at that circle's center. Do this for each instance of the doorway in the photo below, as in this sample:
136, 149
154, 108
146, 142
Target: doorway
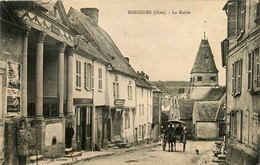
83, 128
109, 130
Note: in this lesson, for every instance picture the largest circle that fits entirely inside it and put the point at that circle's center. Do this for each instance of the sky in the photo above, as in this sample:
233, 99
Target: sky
163, 46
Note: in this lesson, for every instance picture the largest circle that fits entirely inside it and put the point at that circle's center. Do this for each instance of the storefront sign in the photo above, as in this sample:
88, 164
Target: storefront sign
119, 102
13, 87
82, 101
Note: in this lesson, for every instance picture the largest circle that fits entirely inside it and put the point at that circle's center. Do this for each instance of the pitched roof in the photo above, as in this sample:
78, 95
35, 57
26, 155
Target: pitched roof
204, 61
88, 48
142, 83
222, 110
100, 40
185, 108
215, 94
206, 111
199, 93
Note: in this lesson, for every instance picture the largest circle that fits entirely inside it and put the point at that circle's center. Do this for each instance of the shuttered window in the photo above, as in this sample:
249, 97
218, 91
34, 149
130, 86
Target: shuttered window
232, 19
87, 75
237, 77
241, 7
255, 130
100, 78
78, 73
253, 70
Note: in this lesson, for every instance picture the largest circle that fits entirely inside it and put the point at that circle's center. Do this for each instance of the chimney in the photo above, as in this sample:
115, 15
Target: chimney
141, 74
127, 59
92, 13
147, 77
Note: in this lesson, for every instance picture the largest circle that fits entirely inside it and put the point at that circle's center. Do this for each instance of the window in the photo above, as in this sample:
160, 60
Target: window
78, 73
127, 118
88, 70
129, 91
241, 7
236, 124
212, 78
100, 78
236, 77
116, 90
142, 92
142, 109
199, 78
253, 70
249, 71
236, 18
255, 130
232, 19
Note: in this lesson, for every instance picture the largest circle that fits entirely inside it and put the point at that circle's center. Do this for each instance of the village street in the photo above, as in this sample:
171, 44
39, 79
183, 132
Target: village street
157, 156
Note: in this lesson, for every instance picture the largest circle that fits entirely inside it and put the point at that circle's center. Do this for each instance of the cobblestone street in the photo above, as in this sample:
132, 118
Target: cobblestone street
157, 156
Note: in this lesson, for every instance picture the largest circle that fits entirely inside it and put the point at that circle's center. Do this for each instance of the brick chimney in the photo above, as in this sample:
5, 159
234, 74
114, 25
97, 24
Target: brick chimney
92, 13
141, 74
147, 77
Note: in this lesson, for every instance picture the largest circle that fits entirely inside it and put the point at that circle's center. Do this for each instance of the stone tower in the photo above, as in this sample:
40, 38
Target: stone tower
204, 72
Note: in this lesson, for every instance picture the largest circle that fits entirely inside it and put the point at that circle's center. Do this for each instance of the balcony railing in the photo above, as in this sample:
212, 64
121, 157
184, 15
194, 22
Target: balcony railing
50, 107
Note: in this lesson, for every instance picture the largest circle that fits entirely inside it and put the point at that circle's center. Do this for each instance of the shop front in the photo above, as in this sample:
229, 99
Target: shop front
83, 125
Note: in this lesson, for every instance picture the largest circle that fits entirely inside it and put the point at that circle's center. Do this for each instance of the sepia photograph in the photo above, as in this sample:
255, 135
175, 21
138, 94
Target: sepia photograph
129, 82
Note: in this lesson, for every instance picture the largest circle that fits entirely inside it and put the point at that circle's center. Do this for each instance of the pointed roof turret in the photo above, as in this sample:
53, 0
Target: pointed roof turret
204, 62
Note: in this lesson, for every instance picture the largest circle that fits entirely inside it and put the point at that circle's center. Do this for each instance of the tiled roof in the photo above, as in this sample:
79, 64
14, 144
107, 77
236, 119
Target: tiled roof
222, 110
143, 83
215, 94
87, 47
204, 61
206, 110
185, 108
199, 93
100, 40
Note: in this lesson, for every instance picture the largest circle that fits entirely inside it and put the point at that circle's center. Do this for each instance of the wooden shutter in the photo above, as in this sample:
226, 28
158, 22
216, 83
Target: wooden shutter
249, 71
256, 74
92, 76
233, 79
239, 81
232, 19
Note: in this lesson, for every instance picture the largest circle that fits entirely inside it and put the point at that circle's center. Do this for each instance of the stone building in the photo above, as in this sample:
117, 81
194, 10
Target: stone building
204, 71
143, 116
56, 69
113, 111
31, 59
157, 113
240, 56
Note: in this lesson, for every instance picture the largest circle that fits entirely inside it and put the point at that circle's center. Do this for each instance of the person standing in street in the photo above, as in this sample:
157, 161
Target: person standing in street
69, 133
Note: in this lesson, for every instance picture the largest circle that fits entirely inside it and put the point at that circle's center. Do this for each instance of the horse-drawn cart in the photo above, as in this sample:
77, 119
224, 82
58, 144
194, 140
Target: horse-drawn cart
174, 131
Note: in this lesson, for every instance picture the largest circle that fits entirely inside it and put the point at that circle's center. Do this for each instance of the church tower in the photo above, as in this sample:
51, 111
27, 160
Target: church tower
204, 72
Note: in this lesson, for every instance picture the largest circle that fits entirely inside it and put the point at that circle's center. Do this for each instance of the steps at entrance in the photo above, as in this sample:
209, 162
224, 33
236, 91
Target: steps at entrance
36, 159
73, 154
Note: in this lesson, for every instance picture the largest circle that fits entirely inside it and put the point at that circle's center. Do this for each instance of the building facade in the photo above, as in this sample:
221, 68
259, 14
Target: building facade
157, 113
144, 111
240, 56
